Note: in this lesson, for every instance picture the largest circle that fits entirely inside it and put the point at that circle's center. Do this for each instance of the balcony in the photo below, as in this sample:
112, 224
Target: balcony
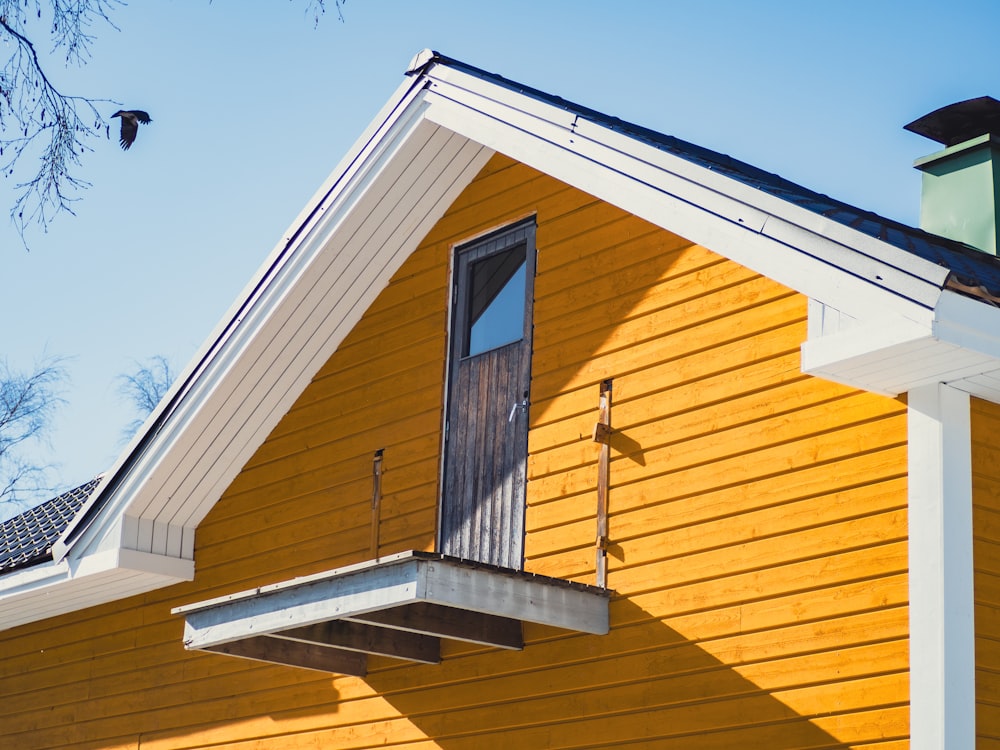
401, 606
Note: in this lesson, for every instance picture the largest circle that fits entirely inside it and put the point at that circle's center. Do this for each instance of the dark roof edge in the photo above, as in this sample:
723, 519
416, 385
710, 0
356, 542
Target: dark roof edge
970, 265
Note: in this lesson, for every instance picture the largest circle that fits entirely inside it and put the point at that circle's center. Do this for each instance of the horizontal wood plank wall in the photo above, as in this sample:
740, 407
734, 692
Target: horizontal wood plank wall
986, 561
757, 528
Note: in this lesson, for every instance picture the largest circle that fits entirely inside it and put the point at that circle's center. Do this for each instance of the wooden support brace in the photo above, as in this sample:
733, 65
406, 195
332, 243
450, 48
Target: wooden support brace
376, 500
294, 654
448, 622
602, 435
368, 639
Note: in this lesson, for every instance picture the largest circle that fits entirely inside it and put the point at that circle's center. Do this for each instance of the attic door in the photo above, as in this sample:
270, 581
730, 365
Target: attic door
486, 448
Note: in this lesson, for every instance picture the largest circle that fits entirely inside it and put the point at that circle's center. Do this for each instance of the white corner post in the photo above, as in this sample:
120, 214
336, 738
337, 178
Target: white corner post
942, 628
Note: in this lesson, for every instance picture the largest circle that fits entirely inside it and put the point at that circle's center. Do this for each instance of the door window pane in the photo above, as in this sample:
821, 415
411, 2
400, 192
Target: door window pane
496, 301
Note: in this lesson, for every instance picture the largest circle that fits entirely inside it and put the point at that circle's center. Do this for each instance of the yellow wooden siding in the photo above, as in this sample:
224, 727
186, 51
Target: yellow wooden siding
986, 560
757, 517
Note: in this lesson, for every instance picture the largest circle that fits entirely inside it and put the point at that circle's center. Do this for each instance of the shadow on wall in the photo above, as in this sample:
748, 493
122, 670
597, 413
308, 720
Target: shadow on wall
646, 683
643, 684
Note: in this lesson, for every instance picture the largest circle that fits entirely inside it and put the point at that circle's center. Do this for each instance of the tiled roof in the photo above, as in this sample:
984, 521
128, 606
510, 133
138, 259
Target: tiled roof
27, 539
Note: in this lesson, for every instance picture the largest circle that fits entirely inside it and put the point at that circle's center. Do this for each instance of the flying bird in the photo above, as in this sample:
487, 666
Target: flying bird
130, 124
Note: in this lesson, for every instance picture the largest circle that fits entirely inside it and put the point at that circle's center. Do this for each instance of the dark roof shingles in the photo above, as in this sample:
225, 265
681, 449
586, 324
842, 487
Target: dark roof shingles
27, 539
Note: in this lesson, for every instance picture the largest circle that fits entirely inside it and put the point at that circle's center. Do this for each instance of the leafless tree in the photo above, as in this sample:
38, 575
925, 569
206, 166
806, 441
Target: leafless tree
144, 388
27, 403
39, 121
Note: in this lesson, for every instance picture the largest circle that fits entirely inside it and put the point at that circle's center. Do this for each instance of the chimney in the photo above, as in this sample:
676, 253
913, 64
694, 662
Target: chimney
960, 197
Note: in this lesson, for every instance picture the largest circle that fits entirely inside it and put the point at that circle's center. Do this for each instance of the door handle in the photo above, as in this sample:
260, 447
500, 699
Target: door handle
522, 405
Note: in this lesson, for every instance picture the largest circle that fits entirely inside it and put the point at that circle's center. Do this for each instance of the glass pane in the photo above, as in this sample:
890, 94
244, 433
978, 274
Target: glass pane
496, 301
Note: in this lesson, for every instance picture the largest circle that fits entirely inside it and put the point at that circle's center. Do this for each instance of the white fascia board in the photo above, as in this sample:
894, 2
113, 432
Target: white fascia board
140, 472
891, 354
841, 266
942, 607
860, 253
55, 588
969, 323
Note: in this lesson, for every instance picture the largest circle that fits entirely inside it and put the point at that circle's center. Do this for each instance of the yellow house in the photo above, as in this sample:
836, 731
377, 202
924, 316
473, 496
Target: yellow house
540, 429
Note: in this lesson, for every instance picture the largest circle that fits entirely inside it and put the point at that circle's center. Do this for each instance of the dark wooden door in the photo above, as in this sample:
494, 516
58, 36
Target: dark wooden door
486, 444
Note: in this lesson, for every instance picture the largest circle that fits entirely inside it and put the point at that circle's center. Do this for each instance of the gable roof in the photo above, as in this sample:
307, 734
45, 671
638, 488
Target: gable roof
27, 539
136, 530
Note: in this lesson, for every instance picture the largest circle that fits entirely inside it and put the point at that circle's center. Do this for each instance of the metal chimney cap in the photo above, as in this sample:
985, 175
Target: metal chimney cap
959, 122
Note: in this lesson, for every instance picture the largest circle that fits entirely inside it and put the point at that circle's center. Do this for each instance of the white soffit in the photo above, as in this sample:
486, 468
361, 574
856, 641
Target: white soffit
960, 346
52, 589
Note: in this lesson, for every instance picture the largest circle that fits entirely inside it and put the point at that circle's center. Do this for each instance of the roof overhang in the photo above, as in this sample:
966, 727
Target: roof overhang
52, 588
338, 255
959, 345
400, 607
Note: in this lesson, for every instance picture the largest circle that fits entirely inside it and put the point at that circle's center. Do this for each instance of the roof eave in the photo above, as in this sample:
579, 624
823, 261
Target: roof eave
959, 346
50, 589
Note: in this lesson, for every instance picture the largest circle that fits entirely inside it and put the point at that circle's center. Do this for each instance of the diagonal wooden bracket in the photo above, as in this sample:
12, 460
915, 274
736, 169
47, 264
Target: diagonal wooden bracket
602, 433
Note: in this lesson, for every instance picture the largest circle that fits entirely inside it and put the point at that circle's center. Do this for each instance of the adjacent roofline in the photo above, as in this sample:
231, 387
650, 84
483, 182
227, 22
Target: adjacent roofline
26, 539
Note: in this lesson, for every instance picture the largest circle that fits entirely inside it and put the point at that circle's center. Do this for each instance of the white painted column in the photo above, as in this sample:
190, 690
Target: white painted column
942, 630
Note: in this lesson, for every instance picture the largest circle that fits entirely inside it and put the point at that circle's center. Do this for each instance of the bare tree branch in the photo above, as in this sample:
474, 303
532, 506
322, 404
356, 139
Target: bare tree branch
36, 118
40, 122
144, 389
27, 403
318, 8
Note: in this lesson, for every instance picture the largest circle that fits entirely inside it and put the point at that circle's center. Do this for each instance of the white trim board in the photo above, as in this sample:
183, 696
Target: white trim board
942, 628
958, 345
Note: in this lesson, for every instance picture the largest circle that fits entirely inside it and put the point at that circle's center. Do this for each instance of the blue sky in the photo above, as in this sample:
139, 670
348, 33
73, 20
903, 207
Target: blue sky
252, 106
